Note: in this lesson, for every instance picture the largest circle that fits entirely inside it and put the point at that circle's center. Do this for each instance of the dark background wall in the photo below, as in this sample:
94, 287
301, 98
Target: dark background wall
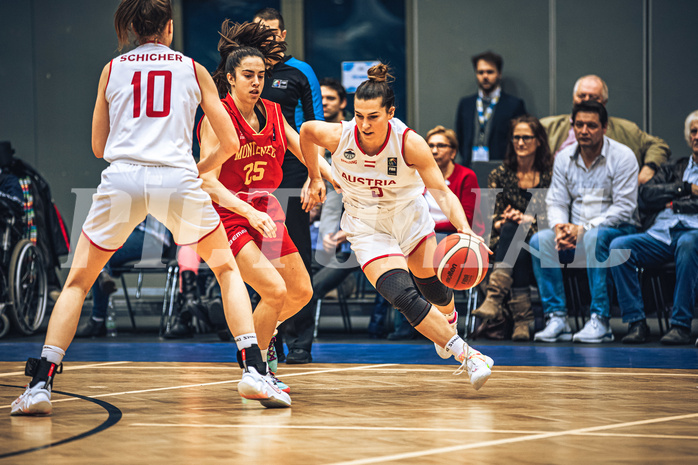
52, 54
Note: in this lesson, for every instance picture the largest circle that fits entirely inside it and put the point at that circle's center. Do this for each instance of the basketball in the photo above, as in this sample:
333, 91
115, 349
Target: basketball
460, 262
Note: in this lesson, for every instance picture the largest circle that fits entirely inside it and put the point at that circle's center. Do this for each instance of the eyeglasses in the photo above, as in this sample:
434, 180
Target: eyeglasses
439, 146
524, 139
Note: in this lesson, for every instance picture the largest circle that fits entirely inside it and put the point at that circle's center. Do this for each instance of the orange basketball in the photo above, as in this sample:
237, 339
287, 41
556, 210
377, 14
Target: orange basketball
460, 262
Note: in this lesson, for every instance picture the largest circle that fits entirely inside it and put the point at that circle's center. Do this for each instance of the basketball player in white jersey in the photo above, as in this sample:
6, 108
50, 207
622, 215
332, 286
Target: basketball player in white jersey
382, 167
142, 125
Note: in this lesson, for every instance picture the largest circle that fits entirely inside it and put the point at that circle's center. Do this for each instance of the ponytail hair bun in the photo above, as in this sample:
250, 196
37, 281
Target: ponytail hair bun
377, 86
380, 73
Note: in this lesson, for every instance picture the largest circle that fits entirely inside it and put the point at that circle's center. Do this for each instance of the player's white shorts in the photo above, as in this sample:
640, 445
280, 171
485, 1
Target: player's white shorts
397, 235
128, 192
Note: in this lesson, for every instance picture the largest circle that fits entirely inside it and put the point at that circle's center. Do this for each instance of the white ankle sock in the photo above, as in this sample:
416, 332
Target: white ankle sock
264, 354
244, 341
457, 347
450, 317
53, 354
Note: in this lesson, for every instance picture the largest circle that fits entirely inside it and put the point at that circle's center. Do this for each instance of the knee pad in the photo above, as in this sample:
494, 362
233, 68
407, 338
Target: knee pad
398, 289
434, 290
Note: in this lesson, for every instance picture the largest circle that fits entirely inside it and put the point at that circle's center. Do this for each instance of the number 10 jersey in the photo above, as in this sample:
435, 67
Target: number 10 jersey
153, 93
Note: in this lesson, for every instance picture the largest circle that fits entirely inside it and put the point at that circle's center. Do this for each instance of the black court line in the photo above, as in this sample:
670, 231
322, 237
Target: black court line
113, 418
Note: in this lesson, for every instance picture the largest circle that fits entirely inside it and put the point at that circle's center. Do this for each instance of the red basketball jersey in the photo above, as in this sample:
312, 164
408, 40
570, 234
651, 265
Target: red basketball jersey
256, 167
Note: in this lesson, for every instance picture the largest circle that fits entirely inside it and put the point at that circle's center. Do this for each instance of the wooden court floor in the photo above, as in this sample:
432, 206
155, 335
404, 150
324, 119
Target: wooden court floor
152, 413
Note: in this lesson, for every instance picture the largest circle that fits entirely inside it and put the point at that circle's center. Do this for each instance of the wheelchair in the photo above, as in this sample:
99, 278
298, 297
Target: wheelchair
23, 280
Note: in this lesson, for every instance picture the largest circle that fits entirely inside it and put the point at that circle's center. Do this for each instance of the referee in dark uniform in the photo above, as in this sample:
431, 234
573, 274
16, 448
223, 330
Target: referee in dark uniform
294, 86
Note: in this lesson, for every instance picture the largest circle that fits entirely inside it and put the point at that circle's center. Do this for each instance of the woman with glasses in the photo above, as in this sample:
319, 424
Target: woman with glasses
523, 178
460, 180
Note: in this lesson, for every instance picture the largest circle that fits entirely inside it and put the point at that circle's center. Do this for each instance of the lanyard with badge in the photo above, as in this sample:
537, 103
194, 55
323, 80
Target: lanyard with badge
481, 152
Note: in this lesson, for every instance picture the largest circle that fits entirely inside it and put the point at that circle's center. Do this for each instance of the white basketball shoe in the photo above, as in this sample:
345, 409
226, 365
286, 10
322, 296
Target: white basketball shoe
36, 399
477, 365
262, 388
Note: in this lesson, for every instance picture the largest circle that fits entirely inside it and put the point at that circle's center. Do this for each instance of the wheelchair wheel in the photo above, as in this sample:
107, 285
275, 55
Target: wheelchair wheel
28, 288
4, 325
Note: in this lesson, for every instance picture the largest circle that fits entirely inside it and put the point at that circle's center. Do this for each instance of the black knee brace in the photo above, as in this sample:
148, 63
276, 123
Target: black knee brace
434, 290
398, 289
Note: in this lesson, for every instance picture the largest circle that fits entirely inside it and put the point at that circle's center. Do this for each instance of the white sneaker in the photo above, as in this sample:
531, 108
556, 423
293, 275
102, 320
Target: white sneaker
594, 331
557, 329
440, 351
35, 401
478, 366
262, 388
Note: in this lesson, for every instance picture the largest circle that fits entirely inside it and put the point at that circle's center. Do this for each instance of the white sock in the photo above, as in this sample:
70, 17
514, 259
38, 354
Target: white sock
245, 341
450, 317
264, 354
53, 354
457, 347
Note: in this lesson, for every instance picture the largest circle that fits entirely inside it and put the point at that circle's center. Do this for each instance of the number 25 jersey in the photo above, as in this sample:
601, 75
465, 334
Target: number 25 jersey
256, 167
153, 93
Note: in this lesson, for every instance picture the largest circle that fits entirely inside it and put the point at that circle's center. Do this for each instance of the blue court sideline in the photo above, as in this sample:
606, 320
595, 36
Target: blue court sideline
504, 355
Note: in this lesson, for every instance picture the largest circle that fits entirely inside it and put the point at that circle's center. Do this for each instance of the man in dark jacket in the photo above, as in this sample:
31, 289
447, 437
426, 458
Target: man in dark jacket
669, 202
483, 119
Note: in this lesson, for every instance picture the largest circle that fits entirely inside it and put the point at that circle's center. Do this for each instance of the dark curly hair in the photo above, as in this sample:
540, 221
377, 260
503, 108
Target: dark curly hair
240, 41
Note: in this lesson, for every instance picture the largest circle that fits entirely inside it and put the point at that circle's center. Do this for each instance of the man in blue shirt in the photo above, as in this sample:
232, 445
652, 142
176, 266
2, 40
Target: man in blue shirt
670, 202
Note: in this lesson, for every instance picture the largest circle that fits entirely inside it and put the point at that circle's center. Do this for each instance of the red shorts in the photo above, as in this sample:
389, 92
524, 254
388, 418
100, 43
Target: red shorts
240, 232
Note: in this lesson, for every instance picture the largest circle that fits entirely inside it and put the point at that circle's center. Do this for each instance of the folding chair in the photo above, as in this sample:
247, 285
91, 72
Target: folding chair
660, 281
151, 266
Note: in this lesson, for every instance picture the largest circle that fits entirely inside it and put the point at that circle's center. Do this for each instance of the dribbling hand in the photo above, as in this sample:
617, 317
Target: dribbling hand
470, 233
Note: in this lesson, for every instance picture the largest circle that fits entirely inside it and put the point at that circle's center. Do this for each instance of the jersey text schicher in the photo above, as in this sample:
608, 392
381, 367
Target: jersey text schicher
152, 57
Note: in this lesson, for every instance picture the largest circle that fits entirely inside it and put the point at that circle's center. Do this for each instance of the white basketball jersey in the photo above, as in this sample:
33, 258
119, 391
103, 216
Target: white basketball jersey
153, 94
375, 186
